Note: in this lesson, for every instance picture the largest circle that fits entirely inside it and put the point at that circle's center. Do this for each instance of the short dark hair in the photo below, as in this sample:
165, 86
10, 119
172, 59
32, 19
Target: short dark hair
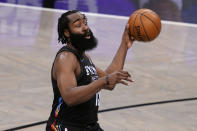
63, 23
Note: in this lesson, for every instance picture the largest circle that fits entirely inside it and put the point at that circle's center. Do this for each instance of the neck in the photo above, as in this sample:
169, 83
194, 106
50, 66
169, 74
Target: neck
72, 47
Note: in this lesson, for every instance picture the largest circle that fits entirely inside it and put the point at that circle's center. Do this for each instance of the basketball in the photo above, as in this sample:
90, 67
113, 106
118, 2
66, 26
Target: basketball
144, 25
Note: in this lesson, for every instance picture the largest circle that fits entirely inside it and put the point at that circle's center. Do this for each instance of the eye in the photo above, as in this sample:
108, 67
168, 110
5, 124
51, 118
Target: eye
78, 25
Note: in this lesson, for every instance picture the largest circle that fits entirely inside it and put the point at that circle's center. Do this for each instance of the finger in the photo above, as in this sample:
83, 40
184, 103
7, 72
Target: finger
132, 38
123, 82
129, 44
125, 73
122, 71
111, 87
127, 27
127, 79
122, 76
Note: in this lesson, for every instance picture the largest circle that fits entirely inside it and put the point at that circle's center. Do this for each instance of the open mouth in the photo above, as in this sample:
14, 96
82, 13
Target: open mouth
87, 35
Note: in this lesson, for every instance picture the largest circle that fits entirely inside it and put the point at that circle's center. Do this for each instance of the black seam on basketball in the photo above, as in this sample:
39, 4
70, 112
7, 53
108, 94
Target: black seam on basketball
134, 23
139, 13
144, 28
152, 22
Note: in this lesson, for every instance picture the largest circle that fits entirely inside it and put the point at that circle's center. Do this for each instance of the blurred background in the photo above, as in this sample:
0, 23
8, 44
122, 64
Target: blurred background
163, 69
172, 10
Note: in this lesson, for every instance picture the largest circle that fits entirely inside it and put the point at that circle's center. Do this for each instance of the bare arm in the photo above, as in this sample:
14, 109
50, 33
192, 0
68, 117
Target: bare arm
118, 61
65, 73
119, 58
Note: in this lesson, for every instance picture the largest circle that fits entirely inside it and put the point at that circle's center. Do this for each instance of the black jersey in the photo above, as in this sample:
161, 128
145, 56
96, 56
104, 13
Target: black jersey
83, 113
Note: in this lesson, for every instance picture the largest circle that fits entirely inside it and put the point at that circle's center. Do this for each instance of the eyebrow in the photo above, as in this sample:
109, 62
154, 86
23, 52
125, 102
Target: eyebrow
76, 20
84, 17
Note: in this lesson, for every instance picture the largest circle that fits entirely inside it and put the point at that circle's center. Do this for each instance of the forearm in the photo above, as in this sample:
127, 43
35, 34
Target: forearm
80, 94
119, 59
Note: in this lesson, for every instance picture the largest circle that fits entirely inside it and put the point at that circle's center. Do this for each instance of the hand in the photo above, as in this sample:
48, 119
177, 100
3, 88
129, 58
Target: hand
127, 37
118, 77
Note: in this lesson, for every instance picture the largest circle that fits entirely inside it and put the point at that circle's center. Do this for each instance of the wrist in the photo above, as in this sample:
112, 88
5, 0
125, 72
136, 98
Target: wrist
107, 79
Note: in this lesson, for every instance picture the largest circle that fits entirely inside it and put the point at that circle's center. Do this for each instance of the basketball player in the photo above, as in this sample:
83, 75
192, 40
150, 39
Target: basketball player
76, 80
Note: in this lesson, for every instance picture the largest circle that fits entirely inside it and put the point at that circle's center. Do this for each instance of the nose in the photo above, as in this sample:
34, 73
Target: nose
85, 27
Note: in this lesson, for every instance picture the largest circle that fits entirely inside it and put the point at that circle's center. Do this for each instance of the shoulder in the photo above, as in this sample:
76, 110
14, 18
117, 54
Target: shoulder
65, 61
66, 58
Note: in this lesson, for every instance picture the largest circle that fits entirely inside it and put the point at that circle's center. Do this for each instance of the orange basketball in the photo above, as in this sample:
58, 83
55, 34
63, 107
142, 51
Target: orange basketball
144, 25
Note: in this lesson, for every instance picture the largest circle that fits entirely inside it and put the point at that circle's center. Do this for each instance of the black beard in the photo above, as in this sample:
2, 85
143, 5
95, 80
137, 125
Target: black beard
81, 43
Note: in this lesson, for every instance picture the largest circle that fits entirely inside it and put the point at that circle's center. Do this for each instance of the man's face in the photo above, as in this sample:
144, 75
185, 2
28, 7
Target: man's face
80, 36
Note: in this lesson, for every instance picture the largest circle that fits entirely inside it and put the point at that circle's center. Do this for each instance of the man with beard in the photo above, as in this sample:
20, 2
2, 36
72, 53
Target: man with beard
76, 80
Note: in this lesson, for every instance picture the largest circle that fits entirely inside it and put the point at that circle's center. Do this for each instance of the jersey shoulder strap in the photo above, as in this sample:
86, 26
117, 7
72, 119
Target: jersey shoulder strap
68, 49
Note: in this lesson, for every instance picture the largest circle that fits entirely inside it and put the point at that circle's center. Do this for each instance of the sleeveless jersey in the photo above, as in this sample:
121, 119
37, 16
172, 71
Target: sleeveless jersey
83, 113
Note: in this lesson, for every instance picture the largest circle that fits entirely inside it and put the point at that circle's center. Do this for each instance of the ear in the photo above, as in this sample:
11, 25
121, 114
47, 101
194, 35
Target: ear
66, 33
